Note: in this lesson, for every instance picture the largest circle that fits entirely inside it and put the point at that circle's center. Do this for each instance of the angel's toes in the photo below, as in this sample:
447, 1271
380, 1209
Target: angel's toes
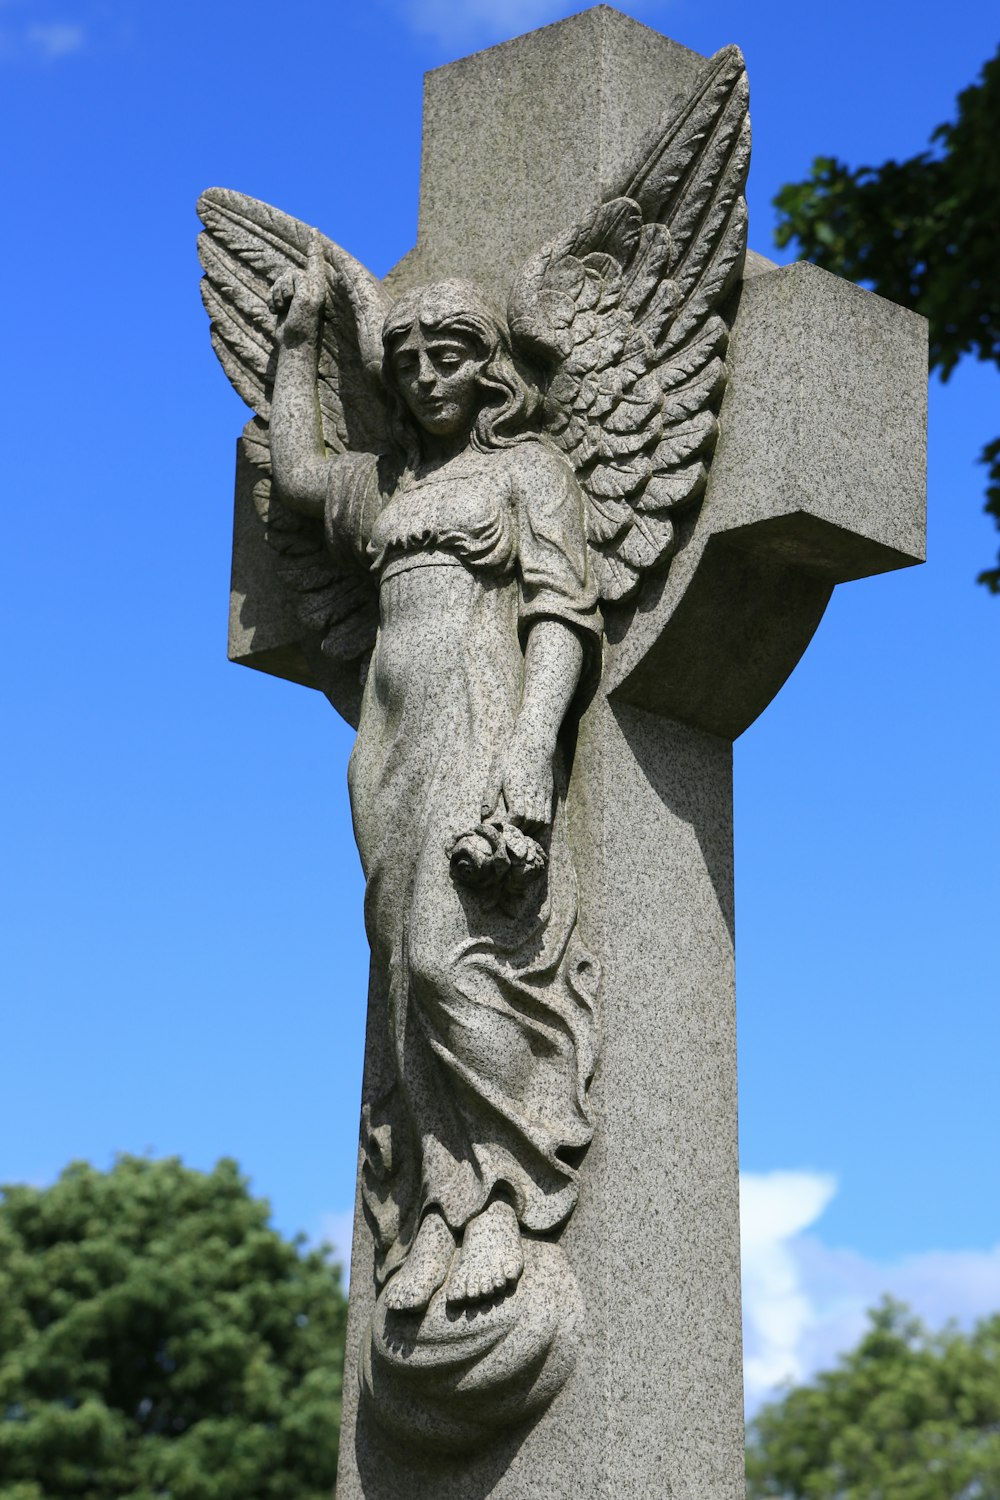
512, 1271
402, 1296
457, 1292
489, 1285
394, 1299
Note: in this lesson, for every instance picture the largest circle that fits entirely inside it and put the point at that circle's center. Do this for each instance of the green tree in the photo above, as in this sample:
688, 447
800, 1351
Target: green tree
158, 1340
924, 232
907, 1416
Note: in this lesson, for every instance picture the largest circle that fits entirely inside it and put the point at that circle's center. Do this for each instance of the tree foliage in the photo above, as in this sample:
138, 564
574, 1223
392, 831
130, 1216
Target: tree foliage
159, 1340
907, 1416
923, 232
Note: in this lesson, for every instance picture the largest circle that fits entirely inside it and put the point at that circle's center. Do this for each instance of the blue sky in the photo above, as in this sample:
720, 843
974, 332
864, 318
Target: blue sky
184, 967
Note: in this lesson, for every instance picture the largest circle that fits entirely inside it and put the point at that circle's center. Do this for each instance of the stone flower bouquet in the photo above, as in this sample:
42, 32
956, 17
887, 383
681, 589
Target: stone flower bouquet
497, 859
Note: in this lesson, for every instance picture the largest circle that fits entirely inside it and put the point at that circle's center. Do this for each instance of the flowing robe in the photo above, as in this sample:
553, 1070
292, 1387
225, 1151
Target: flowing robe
489, 1007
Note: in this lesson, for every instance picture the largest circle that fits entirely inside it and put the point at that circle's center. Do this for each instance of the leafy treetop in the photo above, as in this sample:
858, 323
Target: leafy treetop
159, 1340
923, 232
906, 1416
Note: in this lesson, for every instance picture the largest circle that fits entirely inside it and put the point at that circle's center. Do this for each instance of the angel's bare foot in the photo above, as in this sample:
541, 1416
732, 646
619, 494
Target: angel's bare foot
424, 1269
490, 1258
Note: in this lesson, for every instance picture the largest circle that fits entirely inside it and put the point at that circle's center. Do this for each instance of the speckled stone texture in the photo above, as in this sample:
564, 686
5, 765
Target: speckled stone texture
589, 88
817, 479
654, 1406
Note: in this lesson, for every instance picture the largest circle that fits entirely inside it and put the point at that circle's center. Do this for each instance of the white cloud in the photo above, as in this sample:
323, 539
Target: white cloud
57, 39
337, 1229
775, 1207
21, 41
842, 1285
805, 1302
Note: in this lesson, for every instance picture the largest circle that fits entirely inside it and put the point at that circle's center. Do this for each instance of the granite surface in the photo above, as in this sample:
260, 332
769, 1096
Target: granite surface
654, 1406
396, 456
654, 1403
589, 87
818, 479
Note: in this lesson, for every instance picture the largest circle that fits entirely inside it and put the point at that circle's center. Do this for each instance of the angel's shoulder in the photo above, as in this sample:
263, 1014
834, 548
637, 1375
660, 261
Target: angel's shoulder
537, 464
352, 472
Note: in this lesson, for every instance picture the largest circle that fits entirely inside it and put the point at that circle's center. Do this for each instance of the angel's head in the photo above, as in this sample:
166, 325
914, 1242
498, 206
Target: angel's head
450, 371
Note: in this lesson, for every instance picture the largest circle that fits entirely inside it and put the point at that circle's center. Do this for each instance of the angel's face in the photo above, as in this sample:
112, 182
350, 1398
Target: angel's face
436, 373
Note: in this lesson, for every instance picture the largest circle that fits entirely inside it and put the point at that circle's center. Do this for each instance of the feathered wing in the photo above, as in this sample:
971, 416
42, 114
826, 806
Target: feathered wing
627, 310
245, 246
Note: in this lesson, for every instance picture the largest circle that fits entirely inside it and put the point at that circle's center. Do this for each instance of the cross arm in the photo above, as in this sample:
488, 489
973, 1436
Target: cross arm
818, 479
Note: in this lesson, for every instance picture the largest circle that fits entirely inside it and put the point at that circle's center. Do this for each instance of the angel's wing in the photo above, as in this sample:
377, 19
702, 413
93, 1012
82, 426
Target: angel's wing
246, 245
627, 311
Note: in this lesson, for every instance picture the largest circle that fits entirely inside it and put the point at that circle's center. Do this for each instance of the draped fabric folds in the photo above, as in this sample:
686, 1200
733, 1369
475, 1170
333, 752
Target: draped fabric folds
489, 1007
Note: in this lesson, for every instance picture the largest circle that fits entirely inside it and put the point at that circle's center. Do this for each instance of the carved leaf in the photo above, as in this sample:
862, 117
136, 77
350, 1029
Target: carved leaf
353, 637
334, 601
671, 490
627, 313
246, 245
243, 353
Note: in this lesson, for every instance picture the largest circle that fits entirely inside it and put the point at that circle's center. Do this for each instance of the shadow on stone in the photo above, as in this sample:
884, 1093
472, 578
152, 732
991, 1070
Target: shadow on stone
684, 766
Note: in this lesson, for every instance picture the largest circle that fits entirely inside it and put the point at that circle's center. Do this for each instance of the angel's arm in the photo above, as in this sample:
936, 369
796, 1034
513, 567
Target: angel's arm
553, 661
559, 615
299, 462
522, 771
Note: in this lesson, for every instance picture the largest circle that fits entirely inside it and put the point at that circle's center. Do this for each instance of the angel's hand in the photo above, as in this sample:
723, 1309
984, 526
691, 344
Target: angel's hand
298, 297
521, 772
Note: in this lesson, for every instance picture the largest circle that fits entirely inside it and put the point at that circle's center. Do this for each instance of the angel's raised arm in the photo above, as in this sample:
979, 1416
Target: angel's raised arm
297, 325
300, 466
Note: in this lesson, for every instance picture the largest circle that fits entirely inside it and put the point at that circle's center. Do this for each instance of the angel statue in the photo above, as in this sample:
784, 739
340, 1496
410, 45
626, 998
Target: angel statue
497, 480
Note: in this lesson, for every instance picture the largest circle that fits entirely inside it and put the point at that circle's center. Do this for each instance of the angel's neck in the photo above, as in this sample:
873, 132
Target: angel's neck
435, 452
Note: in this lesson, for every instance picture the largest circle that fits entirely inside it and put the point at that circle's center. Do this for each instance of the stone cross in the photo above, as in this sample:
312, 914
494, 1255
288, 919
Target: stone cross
817, 480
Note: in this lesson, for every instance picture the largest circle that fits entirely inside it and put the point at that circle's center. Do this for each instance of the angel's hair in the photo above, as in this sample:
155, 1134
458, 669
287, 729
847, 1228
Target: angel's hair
510, 401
